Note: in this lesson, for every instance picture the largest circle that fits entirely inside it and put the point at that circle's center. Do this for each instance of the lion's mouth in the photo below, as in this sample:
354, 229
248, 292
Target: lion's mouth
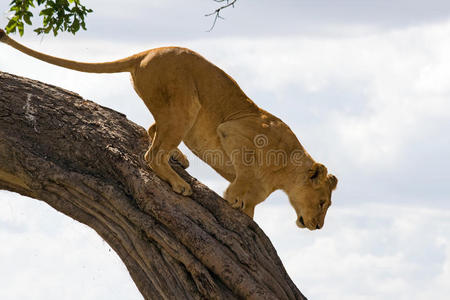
301, 223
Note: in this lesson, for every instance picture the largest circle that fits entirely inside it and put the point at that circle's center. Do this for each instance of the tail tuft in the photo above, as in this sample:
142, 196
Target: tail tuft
3, 35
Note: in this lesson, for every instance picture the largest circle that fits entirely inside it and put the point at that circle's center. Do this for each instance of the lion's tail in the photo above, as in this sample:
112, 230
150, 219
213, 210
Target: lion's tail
121, 65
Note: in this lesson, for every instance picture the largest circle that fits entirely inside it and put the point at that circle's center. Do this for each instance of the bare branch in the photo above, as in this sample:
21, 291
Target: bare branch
216, 13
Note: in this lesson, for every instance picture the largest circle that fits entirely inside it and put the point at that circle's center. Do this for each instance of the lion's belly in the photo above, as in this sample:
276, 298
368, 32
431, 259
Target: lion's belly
204, 142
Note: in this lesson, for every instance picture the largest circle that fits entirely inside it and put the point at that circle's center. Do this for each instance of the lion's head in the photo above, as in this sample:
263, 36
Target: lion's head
312, 197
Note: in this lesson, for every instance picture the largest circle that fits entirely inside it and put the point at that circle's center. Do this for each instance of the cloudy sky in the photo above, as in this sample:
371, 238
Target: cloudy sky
365, 85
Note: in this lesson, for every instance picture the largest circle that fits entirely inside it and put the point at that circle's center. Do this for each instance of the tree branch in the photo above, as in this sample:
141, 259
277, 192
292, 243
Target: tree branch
86, 162
216, 13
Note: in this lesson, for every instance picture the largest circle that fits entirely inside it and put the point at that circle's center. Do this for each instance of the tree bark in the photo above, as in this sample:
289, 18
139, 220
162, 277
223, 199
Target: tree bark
86, 161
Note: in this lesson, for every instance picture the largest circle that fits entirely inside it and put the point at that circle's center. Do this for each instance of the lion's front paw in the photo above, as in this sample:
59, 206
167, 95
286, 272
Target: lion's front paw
236, 199
239, 203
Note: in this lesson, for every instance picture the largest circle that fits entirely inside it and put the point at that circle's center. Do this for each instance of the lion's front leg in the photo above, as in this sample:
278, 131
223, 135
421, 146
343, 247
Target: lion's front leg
246, 191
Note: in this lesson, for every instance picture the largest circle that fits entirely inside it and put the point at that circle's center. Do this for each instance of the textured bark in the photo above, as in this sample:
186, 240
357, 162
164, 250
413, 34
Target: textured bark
86, 161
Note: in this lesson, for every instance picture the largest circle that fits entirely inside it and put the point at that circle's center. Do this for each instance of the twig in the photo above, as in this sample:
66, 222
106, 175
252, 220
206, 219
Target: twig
216, 13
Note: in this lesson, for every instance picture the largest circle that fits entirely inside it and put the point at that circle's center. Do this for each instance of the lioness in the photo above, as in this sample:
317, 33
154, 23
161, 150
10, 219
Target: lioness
194, 101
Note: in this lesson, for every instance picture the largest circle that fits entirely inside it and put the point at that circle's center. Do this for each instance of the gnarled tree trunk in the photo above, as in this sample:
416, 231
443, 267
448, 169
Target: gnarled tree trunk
86, 162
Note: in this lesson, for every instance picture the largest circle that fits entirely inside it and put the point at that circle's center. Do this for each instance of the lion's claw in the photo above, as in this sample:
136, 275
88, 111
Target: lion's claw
182, 188
180, 158
237, 203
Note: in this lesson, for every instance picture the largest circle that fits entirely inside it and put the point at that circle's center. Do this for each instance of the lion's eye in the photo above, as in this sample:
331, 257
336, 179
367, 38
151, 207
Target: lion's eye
322, 203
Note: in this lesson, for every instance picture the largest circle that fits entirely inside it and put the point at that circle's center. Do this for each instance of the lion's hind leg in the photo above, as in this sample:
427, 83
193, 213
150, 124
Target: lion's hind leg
177, 155
165, 142
174, 116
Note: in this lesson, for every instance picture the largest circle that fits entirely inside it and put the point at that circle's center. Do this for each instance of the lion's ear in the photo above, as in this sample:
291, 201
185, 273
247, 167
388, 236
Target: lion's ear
317, 174
332, 181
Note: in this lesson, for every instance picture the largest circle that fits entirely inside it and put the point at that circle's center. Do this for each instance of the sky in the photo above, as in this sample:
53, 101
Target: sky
364, 85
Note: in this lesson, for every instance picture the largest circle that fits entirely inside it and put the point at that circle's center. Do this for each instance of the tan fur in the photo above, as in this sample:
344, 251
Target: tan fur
194, 101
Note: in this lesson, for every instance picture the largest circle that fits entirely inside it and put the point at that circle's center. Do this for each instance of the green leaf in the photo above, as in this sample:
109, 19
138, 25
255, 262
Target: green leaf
57, 16
11, 27
75, 26
27, 19
20, 28
47, 12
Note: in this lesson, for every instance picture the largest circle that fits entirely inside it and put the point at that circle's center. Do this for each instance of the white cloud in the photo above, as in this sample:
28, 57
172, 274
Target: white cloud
367, 252
399, 82
371, 251
46, 255
402, 78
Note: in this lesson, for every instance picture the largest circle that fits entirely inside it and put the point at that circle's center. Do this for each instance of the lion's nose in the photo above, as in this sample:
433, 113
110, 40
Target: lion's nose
318, 226
301, 221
